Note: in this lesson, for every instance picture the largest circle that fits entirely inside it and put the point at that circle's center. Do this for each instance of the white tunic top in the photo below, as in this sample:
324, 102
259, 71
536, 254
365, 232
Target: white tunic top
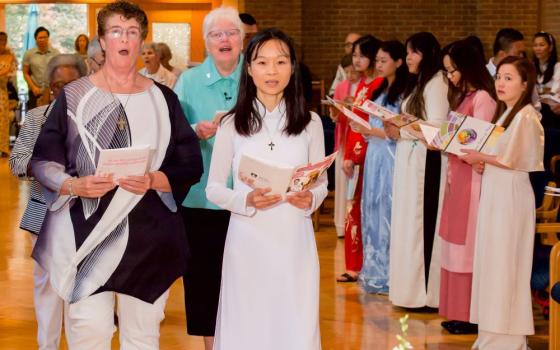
501, 295
407, 282
270, 278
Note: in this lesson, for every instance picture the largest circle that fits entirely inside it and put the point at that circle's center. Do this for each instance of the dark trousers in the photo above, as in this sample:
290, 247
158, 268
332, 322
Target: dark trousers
206, 231
32, 101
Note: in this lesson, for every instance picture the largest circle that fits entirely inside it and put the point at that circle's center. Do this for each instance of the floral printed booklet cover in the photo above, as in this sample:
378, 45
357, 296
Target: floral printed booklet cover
281, 178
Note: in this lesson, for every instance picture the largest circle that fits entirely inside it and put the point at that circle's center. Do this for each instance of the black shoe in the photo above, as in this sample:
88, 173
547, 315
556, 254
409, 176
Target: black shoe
460, 327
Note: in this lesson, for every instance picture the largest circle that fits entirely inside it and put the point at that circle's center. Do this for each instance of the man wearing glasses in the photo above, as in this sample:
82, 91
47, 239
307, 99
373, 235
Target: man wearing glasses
35, 63
340, 75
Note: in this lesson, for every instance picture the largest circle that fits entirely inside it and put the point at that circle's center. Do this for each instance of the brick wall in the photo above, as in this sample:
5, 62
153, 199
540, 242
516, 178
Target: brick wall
284, 14
550, 18
323, 25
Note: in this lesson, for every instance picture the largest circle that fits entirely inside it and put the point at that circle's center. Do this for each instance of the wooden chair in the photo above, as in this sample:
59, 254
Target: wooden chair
554, 324
548, 213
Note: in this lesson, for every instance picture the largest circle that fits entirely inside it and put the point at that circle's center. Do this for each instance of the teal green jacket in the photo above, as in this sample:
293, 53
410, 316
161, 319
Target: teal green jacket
202, 91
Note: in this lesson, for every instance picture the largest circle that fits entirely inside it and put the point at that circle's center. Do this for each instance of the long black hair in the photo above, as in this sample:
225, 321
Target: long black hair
368, 45
426, 44
552, 59
527, 71
247, 118
468, 61
397, 51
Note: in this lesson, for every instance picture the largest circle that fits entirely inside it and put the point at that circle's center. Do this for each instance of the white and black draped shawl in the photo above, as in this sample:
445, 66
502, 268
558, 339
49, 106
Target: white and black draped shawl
121, 242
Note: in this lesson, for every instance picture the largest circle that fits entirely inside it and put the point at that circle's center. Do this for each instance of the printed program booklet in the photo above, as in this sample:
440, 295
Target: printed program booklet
347, 112
281, 178
376, 110
548, 99
123, 162
460, 131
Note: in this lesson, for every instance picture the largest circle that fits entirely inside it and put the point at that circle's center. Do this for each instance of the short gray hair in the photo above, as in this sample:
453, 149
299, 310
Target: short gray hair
94, 47
151, 46
66, 60
223, 12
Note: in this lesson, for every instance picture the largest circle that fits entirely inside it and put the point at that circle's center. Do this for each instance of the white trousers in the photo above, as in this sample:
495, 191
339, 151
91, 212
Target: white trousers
340, 189
48, 308
495, 341
90, 322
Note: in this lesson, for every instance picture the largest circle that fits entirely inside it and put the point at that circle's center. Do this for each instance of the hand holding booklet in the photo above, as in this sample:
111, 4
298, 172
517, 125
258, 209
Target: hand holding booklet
340, 105
123, 162
461, 132
261, 173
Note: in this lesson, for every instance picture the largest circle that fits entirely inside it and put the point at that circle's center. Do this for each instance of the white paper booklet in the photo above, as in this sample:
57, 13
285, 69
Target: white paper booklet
281, 178
348, 113
547, 98
123, 162
397, 119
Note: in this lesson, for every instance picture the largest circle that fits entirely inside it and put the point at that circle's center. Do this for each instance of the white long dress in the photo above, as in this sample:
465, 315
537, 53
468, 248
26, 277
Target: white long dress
501, 295
407, 276
269, 296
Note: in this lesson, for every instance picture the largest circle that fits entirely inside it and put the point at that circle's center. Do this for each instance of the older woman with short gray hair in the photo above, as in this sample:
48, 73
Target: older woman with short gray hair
153, 68
61, 70
217, 81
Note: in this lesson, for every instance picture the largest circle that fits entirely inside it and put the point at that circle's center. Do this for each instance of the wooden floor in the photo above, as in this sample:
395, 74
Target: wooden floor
350, 319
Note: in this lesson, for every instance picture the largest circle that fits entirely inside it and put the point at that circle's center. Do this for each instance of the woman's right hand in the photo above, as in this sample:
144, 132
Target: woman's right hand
259, 199
348, 167
206, 129
392, 131
91, 186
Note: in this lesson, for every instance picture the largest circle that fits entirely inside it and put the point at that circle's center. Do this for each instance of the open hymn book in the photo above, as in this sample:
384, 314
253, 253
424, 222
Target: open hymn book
458, 132
281, 178
123, 162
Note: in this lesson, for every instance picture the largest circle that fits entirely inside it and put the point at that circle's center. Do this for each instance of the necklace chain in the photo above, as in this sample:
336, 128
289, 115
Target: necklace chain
122, 120
271, 144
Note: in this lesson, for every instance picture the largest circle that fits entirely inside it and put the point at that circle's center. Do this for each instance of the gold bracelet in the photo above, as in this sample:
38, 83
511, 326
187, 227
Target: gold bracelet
70, 189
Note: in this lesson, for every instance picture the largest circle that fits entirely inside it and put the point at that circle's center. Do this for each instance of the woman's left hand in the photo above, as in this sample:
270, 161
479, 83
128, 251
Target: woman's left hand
301, 200
471, 157
136, 184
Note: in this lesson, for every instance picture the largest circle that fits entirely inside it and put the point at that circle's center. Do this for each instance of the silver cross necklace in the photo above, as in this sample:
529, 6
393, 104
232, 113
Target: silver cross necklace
271, 144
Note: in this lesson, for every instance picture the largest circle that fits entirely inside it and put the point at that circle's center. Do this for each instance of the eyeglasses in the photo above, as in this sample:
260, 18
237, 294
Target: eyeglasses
219, 35
448, 73
117, 32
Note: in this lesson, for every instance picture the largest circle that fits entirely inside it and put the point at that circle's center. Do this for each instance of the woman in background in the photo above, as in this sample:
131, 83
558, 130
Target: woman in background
8, 64
378, 169
344, 91
414, 251
153, 68
471, 93
363, 58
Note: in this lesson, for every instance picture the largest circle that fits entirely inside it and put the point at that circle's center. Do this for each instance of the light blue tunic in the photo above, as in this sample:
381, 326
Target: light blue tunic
376, 206
202, 92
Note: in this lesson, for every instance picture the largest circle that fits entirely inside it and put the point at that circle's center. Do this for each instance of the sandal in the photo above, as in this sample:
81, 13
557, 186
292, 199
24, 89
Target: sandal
346, 278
